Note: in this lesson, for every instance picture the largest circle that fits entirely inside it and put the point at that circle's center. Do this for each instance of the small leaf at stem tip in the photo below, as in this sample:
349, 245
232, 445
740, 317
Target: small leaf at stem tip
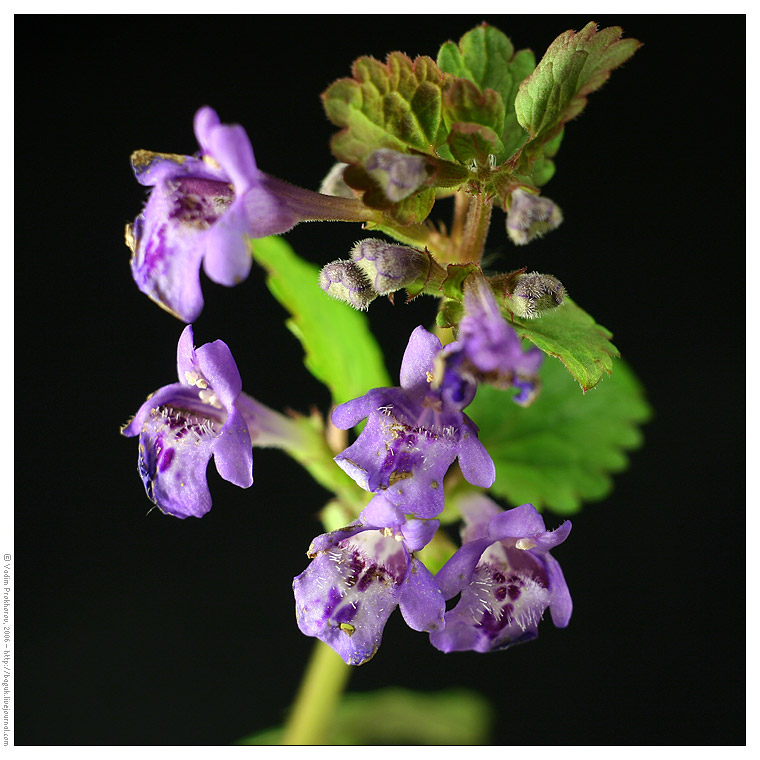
575, 65
486, 57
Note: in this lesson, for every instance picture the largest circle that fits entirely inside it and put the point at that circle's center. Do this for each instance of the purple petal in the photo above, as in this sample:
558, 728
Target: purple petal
345, 416
206, 119
548, 540
231, 148
421, 602
418, 533
561, 606
228, 254
216, 364
418, 359
176, 394
232, 451
500, 607
457, 572
520, 522
186, 359
174, 450
166, 257
474, 461
380, 513
346, 594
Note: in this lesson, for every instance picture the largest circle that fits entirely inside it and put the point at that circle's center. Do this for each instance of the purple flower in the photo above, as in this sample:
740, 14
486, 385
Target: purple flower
206, 209
181, 426
487, 349
506, 576
357, 577
412, 436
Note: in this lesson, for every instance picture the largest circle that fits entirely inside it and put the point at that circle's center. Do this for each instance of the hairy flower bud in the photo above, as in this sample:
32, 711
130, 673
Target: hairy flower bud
531, 216
391, 267
346, 282
398, 174
534, 293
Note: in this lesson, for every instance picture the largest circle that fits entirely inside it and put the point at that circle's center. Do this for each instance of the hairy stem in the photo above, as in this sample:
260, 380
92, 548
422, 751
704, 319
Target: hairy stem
461, 204
475, 229
323, 684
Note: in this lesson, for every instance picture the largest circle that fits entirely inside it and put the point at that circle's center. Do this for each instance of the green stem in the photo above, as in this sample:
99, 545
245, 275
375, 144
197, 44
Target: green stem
323, 683
475, 229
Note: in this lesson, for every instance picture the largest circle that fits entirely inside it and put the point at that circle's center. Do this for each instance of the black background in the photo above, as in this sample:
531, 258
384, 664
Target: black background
142, 629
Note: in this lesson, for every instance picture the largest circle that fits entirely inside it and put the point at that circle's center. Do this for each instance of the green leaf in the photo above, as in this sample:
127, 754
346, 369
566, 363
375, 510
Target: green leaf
486, 57
395, 716
572, 335
575, 65
416, 208
464, 102
340, 350
394, 105
454, 282
467, 140
482, 56
562, 449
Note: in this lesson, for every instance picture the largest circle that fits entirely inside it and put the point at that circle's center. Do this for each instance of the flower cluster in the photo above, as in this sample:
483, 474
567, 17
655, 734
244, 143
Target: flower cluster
504, 572
204, 210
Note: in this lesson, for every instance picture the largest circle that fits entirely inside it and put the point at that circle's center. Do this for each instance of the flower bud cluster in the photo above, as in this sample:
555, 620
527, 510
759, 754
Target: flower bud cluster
376, 268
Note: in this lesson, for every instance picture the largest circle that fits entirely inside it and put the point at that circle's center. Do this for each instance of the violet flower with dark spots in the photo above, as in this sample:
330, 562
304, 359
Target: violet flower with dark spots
206, 209
356, 579
487, 349
506, 576
413, 434
181, 426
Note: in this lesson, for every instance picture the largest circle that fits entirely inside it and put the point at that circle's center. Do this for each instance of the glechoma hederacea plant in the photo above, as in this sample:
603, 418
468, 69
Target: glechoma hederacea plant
477, 129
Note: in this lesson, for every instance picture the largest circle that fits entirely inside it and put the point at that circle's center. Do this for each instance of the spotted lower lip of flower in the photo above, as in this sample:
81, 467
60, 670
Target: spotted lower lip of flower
412, 436
357, 577
506, 576
181, 426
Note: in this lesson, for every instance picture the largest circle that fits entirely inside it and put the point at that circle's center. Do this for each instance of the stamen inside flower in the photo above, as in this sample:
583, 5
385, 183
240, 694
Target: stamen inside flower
209, 397
194, 378
525, 543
